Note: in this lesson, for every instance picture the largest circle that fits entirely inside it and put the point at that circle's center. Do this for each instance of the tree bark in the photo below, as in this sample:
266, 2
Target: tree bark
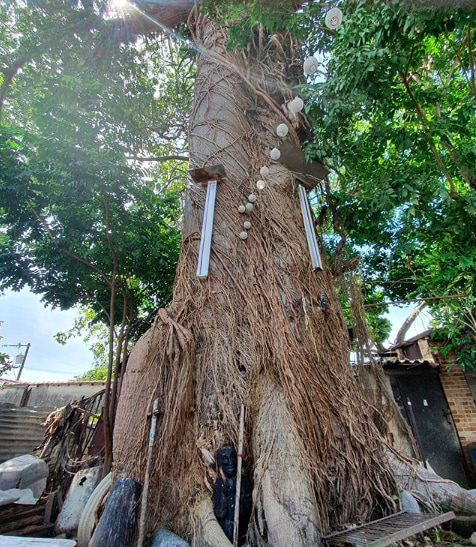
253, 333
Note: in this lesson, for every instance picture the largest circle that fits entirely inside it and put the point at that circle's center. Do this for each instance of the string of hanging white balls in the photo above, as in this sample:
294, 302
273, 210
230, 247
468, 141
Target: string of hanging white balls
333, 20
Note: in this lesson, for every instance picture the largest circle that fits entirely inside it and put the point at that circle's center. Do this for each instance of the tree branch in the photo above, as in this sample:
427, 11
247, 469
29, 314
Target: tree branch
158, 159
159, 18
438, 159
67, 252
471, 61
426, 299
409, 322
8, 74
11, 71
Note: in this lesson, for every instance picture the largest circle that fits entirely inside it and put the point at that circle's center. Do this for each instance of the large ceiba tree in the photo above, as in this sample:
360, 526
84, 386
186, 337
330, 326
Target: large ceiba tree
253, 333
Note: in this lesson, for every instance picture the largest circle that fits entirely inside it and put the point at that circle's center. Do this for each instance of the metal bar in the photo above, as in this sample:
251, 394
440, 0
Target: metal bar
412, 530
207, 229
388, 530
145, 491
334, 534
236, 521
309, 229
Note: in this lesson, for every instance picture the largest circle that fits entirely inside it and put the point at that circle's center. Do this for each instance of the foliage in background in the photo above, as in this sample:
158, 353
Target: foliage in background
80, 119
6, 362
394, 118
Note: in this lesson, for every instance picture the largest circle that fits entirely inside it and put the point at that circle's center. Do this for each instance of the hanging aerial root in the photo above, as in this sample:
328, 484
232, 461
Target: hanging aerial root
377, 390
160, 367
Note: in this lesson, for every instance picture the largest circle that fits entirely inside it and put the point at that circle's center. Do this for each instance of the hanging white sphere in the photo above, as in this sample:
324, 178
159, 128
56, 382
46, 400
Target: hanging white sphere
260, 184
249, 207
252, 198
296, 105
282, 130
310, 65
275, 154
264, 171
247, 225
241, 209
244, 235
333, 18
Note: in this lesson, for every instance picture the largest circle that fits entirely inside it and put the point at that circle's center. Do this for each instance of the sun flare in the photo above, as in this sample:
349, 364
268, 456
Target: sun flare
120, 7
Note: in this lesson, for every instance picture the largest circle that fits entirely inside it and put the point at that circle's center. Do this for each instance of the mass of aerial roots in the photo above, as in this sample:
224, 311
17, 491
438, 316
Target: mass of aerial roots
257, 321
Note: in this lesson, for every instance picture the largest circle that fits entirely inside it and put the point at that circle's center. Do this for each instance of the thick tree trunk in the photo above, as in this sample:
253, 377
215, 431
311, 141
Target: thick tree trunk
252, 333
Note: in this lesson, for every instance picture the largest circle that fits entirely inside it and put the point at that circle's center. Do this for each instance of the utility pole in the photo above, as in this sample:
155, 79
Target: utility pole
23, 360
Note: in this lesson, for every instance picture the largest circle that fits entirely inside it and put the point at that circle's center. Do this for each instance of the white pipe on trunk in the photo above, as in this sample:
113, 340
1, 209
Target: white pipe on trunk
309, 228
207, 230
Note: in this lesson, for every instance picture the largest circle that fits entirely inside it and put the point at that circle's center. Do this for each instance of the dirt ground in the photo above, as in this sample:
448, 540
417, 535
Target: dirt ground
437, 538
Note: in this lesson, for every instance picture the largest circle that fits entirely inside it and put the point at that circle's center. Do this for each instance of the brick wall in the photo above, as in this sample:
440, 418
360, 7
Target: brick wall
461, 403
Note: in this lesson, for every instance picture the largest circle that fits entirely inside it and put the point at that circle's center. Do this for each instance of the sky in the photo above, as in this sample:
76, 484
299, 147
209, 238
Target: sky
25, 320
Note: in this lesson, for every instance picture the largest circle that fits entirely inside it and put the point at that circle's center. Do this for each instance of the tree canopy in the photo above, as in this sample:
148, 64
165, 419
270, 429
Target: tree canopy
397, 126
84, 102
83, 107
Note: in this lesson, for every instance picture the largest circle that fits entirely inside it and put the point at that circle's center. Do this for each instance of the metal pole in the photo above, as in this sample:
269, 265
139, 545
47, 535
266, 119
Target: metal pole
23, 361
238, 478
309, 229
145, 491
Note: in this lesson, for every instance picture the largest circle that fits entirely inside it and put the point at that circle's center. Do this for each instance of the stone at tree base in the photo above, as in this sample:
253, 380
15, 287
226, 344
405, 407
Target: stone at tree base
25, 496
408, 502
82, 486
38, 487
8, 497
472, 539
117, 524
165, 538
13, 541
21, 472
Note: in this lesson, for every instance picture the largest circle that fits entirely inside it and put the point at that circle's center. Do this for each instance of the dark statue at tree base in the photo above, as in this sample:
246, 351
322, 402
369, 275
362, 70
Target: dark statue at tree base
224, 493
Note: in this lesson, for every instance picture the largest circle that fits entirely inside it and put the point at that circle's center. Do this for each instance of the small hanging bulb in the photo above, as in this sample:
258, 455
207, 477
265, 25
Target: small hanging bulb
282, 130
296, 105
241, 209
275, 154
244, 235
310, 65
333, 18
247, 225
252, 198
260, 184
264, 171
249, 207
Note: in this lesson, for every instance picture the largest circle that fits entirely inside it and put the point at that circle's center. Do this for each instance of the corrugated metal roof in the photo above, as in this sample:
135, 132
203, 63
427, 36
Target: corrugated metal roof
21, 430
407, 362
412, 340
